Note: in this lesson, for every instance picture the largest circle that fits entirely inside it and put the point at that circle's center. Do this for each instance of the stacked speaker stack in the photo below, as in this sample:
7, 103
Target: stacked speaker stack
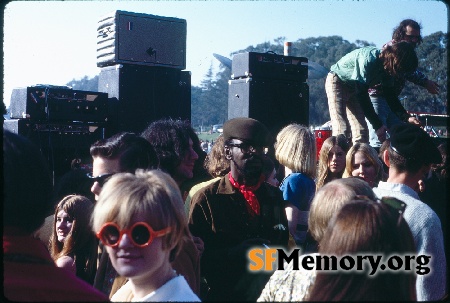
142, 59
62, 122
270, 88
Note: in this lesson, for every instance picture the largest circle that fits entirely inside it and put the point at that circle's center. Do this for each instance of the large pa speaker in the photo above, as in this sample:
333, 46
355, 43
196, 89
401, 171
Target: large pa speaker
139, 95
143, 39
59, 143
275, 103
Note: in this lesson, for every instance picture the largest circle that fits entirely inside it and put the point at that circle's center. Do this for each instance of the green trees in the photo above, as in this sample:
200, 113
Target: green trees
432, 55
209, 101
326, 51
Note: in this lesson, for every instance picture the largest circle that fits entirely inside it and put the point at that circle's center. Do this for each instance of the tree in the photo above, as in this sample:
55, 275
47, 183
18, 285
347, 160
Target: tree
432, 54
209, 101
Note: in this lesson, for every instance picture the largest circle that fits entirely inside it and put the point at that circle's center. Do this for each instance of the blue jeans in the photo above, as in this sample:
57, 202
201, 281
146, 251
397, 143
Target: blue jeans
386, 116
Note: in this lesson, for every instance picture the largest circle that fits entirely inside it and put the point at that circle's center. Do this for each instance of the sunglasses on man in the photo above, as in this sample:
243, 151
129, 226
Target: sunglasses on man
101, 179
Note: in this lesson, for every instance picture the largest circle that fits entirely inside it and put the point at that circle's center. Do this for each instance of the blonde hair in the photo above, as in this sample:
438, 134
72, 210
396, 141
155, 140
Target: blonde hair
151, 193
330, 198
295, 149
371, 154
216, 163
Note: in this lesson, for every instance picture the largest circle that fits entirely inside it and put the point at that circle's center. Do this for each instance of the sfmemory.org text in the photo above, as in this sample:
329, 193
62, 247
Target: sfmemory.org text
265, 259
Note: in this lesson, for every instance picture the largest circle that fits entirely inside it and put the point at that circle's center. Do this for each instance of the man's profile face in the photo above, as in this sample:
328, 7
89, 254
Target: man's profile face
185, 170
102, 166
246, 158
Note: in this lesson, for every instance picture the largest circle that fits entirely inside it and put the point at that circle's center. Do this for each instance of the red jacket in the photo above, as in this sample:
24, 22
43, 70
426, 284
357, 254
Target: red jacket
31, 275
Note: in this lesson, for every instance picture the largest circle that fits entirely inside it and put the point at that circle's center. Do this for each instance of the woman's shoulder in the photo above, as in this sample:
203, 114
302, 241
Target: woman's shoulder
66, 262
298, 178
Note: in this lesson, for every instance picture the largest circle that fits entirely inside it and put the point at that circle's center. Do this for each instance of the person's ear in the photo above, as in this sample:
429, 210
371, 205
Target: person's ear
228, 152
386, 158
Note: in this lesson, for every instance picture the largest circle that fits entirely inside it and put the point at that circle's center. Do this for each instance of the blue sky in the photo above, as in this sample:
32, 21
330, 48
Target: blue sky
52, 42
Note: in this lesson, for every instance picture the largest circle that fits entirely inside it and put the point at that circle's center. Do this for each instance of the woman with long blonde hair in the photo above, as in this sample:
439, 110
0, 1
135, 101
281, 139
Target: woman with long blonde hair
73, 245
362, 161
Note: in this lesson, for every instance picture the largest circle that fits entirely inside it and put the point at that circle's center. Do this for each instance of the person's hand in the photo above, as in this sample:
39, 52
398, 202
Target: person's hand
199, 244
414, 120
432, 87
381, 133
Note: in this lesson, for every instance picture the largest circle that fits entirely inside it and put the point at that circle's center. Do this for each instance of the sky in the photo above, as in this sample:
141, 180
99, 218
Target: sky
53, 42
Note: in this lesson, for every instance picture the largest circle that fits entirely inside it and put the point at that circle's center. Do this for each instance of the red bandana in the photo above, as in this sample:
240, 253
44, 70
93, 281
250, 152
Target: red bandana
247, 191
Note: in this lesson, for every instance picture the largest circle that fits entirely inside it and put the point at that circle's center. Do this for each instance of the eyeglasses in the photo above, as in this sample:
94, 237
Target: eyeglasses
394, 204
141, 234
246, 148
412, 36
101, 180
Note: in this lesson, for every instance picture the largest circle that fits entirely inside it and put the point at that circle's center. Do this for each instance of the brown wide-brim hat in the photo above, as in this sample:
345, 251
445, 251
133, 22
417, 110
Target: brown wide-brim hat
246, 129
413, 143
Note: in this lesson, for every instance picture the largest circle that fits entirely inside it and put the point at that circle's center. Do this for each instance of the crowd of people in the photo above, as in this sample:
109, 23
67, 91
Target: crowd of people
166, 218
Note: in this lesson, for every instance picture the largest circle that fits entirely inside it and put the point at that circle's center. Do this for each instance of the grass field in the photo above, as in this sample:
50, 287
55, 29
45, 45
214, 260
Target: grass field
207, 136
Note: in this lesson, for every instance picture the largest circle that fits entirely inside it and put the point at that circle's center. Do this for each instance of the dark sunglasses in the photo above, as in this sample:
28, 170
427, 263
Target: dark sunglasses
141, 234
394, 204
413, 36
246, 148
101, 180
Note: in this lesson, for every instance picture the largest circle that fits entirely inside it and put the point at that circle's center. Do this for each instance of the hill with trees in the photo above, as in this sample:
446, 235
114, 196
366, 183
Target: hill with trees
209, 100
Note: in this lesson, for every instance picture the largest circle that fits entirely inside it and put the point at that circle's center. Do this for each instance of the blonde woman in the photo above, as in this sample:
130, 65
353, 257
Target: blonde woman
331, 162
295, 149
362, 161
141, 221
73, 245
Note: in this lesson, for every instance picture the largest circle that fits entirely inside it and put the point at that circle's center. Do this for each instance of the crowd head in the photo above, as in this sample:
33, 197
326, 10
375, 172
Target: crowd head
176, 145
27, 184
362, 161
365, 226
295, 148
331, 162
330, 198
72, 235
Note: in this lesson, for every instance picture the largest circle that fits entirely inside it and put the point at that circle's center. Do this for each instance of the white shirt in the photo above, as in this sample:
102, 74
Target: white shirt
174, 290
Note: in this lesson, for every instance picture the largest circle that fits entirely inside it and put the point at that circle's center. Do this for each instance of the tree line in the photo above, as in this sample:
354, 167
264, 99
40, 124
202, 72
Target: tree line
209, 100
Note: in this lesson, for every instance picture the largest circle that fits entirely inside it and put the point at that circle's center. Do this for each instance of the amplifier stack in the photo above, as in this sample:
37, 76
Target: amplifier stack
60, 121
142, 59
270, 88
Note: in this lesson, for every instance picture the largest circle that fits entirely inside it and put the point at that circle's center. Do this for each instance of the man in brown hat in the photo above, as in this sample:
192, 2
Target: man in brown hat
238, 212
409, 158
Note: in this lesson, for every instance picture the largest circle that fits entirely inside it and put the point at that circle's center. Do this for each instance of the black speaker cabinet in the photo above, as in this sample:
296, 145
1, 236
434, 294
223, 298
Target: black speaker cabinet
133, 38
269, 66
59, 143
56, 104
142, 94
275, 103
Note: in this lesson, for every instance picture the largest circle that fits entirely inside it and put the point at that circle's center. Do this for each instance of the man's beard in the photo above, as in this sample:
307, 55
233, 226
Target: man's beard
249, 172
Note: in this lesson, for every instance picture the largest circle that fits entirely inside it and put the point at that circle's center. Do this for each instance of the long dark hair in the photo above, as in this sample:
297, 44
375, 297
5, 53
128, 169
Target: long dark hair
400, 31
323, 172
80, 243
399, 58
365, 226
